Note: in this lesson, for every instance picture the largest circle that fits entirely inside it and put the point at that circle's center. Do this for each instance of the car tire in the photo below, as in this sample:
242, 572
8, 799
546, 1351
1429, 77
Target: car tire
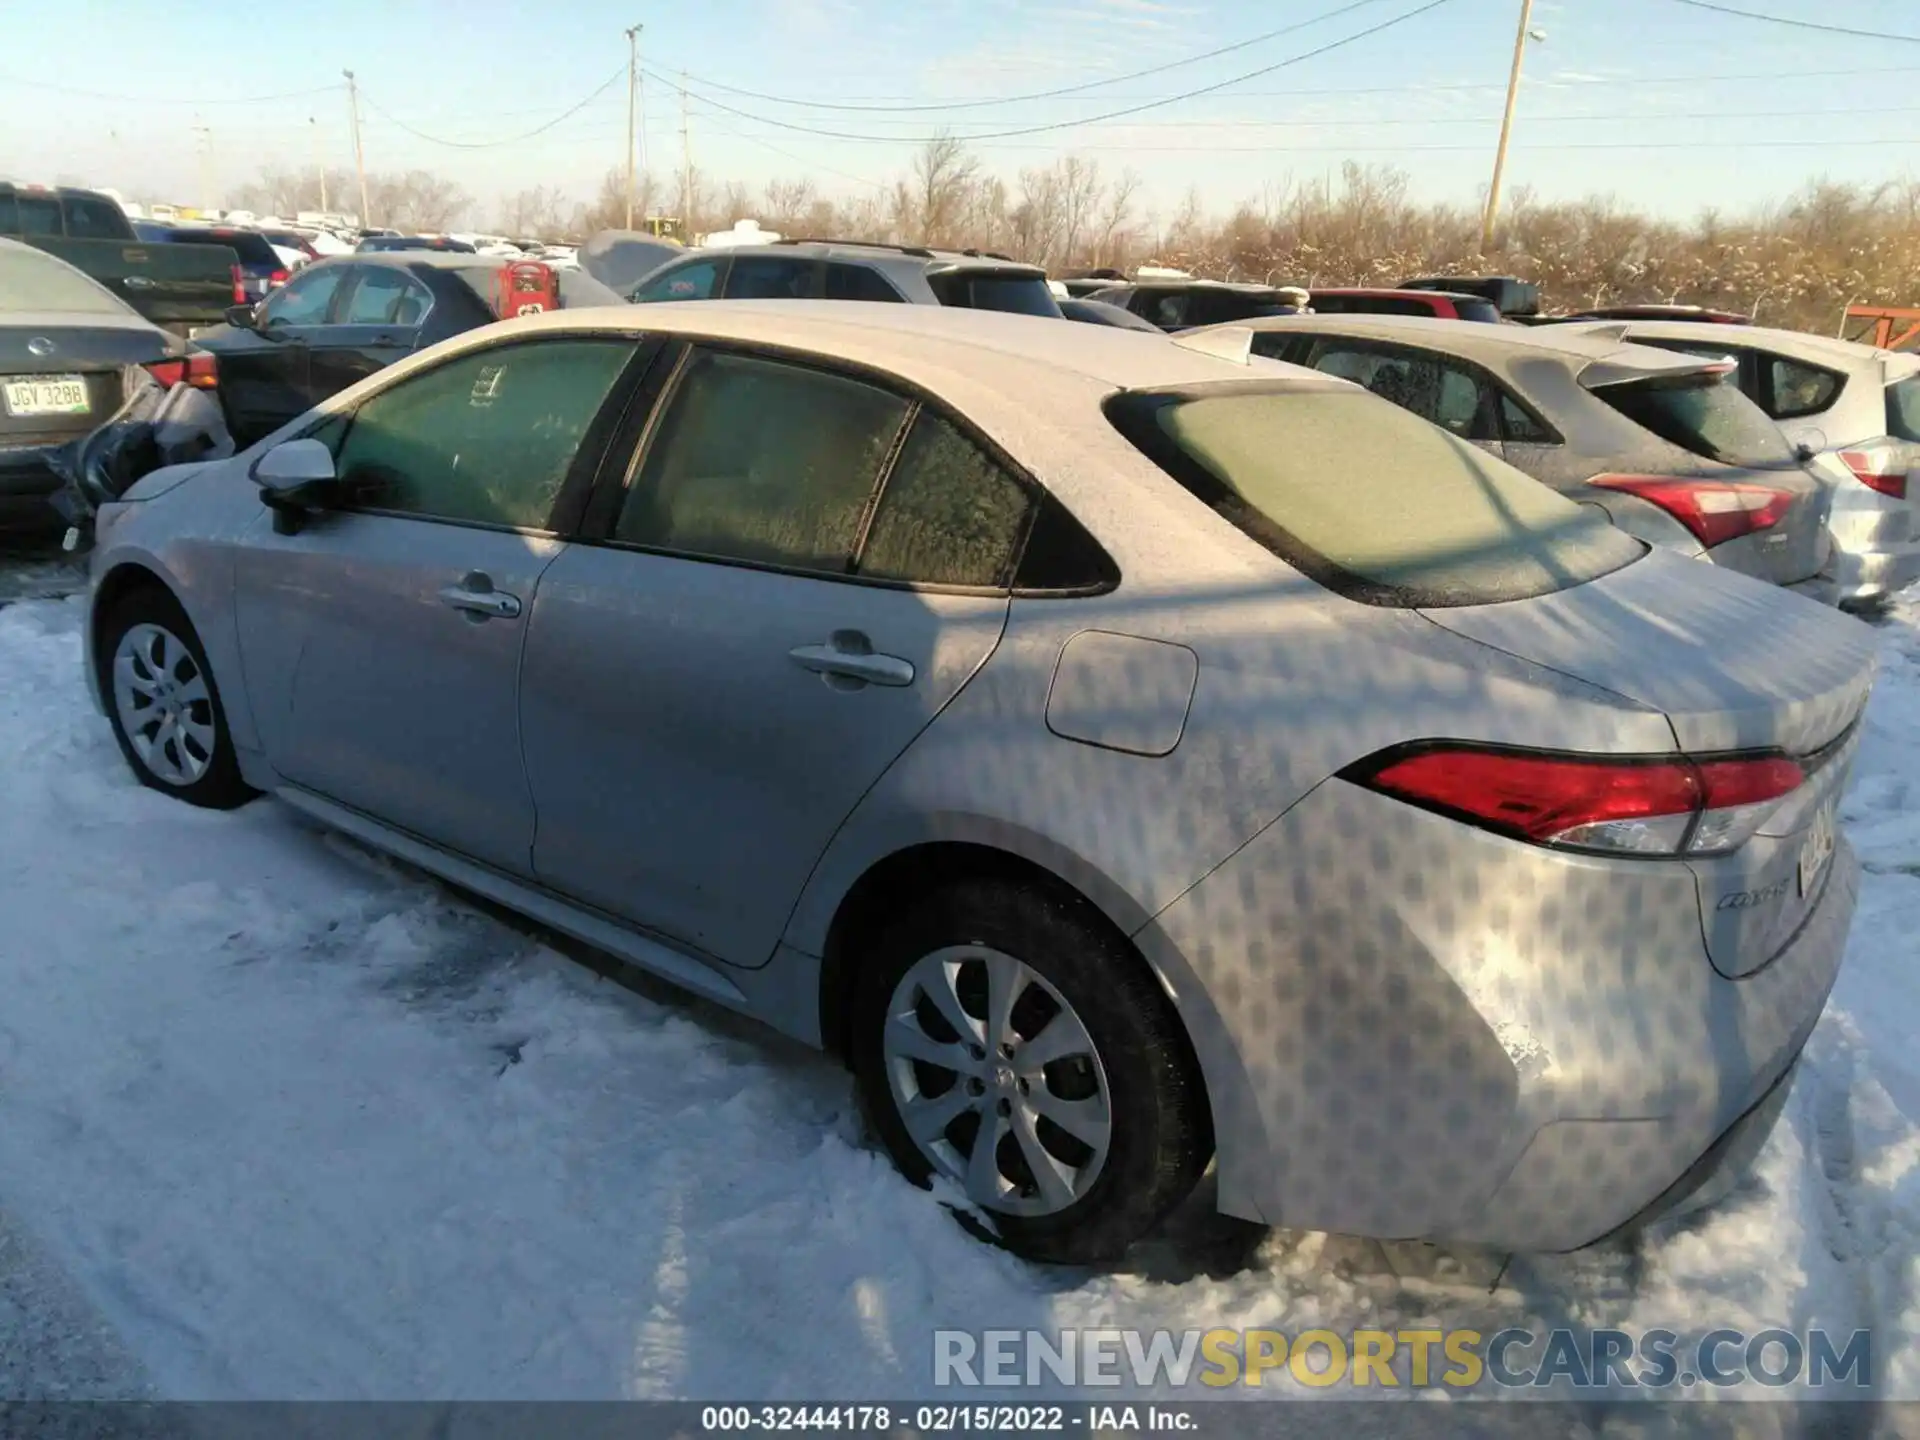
163, 704
1092, 1036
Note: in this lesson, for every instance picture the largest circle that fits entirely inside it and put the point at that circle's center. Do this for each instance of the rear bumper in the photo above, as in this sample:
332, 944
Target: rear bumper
25, 485
1435, 1033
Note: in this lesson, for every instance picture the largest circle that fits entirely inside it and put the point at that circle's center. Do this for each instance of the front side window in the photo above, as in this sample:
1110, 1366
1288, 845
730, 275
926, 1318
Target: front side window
486, 439
696, 281
386, 296
1368, 499
1797, 390
304, 300
1705, 414
950, 515
759, 277
762, 461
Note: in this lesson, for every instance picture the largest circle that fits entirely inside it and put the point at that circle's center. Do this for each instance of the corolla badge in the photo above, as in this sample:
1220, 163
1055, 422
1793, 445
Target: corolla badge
40, 345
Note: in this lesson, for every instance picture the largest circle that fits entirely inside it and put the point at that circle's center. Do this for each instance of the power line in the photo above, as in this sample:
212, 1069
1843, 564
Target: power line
568, 113
789, 155
1334, 14
1091, 119
1799, 24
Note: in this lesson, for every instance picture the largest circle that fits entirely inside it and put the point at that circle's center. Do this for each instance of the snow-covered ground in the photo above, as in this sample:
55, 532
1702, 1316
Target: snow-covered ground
286, 1121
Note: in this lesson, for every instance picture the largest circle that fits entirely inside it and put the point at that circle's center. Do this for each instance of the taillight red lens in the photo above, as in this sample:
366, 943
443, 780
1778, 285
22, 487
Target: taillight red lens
197, 369
239, 286
168, 372
278, 277
1644, 807
1876, 472
1714, 511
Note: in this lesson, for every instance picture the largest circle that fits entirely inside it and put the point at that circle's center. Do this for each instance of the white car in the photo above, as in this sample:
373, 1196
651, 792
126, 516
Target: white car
1858, 409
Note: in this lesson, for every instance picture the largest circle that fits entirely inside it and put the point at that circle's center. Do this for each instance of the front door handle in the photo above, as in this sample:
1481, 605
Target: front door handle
139, 282
476, 596
848, 662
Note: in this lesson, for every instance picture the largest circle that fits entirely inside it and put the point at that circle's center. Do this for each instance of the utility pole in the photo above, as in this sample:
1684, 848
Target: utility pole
203, 144
686, 162
1506, 128
319, 161
359, 155
633, 88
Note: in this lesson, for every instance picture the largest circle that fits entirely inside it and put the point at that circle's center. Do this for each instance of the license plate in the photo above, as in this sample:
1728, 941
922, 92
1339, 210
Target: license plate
46, 395
1818, 849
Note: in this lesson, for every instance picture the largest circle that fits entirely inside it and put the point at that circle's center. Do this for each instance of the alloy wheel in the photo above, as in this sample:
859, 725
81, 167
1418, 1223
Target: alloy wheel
163, 703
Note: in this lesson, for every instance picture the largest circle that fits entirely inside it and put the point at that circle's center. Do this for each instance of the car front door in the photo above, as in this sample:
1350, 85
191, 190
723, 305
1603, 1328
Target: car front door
376, 322
732, 654
265, 372
382, 643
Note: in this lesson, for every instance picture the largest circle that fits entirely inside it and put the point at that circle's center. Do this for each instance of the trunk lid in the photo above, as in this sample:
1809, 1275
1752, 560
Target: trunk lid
1735, 665
77, 385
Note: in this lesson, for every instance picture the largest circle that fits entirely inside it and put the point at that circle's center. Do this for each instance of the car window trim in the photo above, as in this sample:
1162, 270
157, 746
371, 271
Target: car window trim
641, 425
570, 503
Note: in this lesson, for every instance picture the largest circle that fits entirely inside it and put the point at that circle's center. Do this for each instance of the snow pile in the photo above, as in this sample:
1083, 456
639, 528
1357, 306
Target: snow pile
301, 1124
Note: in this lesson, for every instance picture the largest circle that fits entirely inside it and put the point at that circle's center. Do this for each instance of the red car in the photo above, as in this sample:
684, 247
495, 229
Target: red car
1434, 304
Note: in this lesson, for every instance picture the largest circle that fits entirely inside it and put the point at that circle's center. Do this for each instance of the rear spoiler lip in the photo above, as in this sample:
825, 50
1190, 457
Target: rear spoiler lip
1614, 370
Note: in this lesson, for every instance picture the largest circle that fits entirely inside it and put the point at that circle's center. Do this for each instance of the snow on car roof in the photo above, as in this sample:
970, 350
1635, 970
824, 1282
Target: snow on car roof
1797, 343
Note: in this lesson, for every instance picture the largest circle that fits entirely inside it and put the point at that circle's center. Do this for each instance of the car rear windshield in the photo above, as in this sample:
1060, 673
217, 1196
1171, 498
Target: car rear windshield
991, 290
1368, 499
33, 282
1903, 409
1704, 413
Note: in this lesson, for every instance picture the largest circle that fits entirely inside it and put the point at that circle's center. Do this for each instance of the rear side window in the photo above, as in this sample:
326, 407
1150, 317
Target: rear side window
857, 282
252, 248
762, 461
1903, 409
695, 281
950, 515
1704, 414
988, 290
760, 277
94, 218
1795, 390
1369, 500
1370, 305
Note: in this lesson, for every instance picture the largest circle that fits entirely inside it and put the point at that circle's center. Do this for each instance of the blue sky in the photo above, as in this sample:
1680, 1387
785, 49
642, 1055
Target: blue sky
1738, 113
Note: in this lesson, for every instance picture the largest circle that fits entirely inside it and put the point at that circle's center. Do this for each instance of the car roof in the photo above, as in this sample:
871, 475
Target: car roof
1497, 346
1244, 287
918, 256
434, 259
1797, 343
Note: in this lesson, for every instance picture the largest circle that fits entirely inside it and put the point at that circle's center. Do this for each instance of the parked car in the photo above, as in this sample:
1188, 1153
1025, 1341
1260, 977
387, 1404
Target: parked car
1515, 299
379, 244
1183, 304
1082, 283
297, 241
1663, 444
340, 320
1437, 304
66, 346
844, 270
1233, 765
175, 286
1857, 408
262, 270
1098, 312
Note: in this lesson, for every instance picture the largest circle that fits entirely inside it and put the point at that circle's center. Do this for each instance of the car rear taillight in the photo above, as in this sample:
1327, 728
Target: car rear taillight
1657, 806
197, 369
239, 285
1884, 470
1714, 511
277, 279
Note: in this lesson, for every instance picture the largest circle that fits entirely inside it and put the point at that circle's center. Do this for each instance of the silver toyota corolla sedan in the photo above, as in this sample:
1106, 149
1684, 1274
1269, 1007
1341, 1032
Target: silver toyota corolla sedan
1123, 751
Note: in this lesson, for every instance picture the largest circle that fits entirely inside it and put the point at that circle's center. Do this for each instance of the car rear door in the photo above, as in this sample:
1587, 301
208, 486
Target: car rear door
382, 644
374, 322
732, 654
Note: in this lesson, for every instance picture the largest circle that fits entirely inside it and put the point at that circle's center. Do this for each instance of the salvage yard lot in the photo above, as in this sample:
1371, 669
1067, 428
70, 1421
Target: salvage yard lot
298, 1123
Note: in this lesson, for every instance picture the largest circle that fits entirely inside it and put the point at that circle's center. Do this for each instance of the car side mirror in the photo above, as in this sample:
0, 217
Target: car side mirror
296, 479
241, 317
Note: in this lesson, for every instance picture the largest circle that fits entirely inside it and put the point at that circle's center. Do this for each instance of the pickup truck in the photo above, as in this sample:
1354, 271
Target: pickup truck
176, 286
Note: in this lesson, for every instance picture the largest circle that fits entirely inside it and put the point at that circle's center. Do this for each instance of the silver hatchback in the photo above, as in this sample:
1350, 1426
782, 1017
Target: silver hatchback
1123, 751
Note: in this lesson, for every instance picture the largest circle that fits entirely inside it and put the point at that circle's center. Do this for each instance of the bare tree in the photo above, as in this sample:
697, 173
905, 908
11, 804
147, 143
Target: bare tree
943, 174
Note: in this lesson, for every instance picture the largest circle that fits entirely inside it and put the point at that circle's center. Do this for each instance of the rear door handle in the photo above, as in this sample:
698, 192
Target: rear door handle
476, 596
138, 282
849, 658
